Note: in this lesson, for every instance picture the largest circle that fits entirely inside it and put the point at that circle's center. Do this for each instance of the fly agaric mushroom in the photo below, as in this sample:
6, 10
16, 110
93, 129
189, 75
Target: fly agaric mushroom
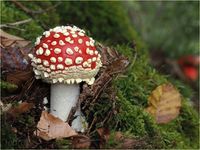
64, 57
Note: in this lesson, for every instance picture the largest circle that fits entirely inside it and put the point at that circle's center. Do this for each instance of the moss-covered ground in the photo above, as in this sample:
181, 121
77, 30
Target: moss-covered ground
108, 22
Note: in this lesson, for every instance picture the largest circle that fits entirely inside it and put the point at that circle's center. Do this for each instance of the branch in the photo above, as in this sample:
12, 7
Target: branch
32, 12
29, 12
12, 27
15, 23
46, 10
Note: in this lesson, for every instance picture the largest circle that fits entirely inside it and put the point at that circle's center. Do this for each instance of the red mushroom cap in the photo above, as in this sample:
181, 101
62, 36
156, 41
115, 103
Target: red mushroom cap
65, 54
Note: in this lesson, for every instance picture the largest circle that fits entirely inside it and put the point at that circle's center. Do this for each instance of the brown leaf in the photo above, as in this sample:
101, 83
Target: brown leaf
81, 142
164, 103
15, 58
15, 64
21, 108
118, 136
50, 127
118, 66
8, 39
126, 142
14, 52
18, 77
120, 139
104, 134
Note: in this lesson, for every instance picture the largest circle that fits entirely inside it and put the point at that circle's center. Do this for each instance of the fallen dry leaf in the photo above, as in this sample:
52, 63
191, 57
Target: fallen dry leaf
50, 127
119, 136
15, 63
8, 40
120, 139
14, 52
104, 135
15, 58
18, 77
117, 66
19, 109
81, 142
164, 103
127, 142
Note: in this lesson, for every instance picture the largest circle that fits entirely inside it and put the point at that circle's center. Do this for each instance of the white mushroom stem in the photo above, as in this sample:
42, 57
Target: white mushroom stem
79, 123
63, 98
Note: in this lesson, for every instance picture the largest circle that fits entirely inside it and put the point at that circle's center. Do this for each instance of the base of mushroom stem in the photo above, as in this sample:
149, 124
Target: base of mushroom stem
63, 98
79, 124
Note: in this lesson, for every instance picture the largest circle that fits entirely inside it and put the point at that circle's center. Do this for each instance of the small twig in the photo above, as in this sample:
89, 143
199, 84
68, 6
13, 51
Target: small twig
15, 23
29, 11
70, 118
46, 10
107, 117
21, 6
101, 89
134, 59
89, 129
10, 99
32, 13
14, 28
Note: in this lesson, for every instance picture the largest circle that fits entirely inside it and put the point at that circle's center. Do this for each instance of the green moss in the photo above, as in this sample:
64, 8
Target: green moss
10, 14
7, 85
62, 143
112, 141
140, 78
133, 90
179, 133
183, 131
189, 124
47, 16
9, 139
107, 21
133, 119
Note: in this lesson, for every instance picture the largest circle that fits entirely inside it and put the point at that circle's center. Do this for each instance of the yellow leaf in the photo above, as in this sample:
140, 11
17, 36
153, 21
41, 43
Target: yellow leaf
164, 103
